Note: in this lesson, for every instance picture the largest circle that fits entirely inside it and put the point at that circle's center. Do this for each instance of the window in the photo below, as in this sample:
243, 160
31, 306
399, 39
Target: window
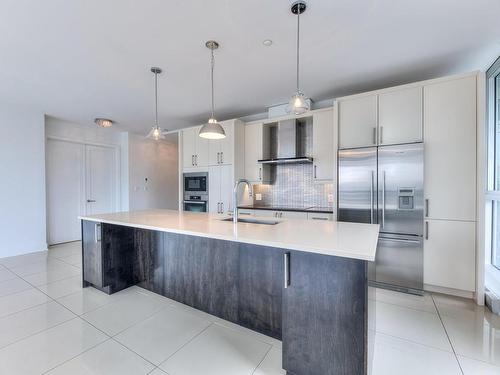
493, 193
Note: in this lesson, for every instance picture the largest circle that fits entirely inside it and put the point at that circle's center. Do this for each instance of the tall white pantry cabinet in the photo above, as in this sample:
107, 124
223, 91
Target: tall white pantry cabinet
442, 113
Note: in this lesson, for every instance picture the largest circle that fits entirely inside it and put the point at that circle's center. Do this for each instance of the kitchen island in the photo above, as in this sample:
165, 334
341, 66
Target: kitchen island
303, 282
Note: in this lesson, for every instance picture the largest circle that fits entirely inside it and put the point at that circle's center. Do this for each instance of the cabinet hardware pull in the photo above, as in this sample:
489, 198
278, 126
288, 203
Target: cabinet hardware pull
196, 160
315, 171
319, 218
383, 199
426, 230
218, 207
374, 135
381, 134
97, 233
90, 201
286, 264
427, 208
192, 160
221, 207
218, 158
260, 173
371, 197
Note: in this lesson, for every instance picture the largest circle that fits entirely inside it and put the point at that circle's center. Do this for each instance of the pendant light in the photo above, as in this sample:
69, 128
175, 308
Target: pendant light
156, 132
298, 103
212, 129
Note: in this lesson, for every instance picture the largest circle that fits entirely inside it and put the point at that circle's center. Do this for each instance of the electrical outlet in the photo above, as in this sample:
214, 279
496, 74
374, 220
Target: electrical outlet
258, 197
330, 198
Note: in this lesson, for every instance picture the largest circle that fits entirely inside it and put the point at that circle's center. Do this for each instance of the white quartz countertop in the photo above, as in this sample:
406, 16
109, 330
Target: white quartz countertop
349, 240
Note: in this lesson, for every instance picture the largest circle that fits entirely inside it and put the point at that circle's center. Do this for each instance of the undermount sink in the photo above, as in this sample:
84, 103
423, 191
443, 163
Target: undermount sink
253, 221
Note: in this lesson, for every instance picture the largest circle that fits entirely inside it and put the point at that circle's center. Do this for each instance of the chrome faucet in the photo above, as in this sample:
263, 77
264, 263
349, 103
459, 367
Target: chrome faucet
235, 196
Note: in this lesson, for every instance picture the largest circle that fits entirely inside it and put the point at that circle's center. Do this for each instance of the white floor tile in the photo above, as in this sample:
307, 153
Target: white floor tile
125, 312
12, 286
49, 264
65, 250
75, 260
86, 300
460, 307
423, 303
272, 364
30, 321
474, 337
161, 335
108, 358
45, 350
157, 371
53, 275
5, 274
24, 259
63, 287
21, 301
413, 325
218, 350
394, 356
473, 367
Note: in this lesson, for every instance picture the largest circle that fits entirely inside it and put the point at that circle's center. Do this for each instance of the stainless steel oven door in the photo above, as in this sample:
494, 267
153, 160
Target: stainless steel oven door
195, 206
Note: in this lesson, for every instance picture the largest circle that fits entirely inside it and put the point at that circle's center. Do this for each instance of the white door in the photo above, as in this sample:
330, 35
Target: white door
323, 153
188, 147
449, 254
450, 149
101, 180
226, 188
65, 190
214, 173
202, 150
358, 122
214, 148
400, 116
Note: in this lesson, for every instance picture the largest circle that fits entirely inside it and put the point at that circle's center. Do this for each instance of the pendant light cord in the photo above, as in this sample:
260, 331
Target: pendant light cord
298, 42
156, 99
212, 79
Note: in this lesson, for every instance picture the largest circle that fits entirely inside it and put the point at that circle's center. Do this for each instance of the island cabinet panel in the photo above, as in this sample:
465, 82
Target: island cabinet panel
202, 273
149, 268
92, 253
260, 289
324, 316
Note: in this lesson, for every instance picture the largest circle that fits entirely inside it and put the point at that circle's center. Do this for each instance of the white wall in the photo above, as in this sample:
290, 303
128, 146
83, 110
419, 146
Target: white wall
158, 163
22, 188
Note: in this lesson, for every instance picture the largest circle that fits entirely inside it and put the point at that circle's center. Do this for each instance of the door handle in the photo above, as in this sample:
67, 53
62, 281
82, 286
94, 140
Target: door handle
218, 158
260, 173
383, 199
196, 160
319, 218
381, 133
398, 240
371, 197
221, 207
222, 157
286, 265
374, 135
218, 207
192, 160
90, 201
315, 171
426, 230
427, 208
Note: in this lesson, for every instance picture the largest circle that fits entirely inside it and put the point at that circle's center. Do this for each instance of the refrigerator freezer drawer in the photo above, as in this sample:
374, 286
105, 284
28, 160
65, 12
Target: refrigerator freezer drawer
399, 262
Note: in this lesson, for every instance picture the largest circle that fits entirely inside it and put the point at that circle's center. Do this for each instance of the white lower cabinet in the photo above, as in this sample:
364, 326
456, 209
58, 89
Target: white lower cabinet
220, 183
319, 216
449, 254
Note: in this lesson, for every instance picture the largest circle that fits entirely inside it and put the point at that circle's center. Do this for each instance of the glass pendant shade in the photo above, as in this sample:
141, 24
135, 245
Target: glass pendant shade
298, 104
212, 130
155, 133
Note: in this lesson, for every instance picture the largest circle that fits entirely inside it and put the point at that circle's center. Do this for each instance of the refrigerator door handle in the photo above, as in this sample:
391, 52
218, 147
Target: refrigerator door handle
398, 240
383, 199
371, 197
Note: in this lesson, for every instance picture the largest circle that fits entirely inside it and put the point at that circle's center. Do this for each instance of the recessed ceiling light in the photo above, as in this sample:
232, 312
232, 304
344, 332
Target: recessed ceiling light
104, 122
267, 42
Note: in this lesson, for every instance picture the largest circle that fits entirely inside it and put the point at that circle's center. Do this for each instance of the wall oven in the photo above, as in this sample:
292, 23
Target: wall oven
196, 192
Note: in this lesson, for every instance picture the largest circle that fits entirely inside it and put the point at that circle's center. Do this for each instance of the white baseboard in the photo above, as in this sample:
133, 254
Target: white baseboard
449, 291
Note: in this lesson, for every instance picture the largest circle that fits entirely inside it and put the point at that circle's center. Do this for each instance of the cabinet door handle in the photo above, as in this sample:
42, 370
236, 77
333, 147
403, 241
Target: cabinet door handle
218, 158
381, 132
315, 171
221, 207
218, 207
286, 266
260, 173
222, 157
426, 230
319, 218
196, 160
426, 208
374, 135
192, 160
97, 233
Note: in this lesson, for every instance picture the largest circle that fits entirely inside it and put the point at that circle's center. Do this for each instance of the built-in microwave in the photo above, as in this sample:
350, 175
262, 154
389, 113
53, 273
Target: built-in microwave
196, 182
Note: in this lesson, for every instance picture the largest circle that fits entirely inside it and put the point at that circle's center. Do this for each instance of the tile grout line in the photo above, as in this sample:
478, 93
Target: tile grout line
447, 335
263, 358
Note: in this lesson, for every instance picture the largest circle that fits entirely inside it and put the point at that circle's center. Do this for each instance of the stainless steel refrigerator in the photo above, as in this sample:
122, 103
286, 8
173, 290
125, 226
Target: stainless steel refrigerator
384, 185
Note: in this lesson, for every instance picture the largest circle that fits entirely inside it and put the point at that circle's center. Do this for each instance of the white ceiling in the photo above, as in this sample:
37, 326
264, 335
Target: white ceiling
80, 59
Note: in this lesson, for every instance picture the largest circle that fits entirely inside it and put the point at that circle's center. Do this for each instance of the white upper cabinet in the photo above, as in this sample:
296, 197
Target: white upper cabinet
400, 116
323, 150
220, 187
358, 121
221, 151
450, 149
256, 144
194, 149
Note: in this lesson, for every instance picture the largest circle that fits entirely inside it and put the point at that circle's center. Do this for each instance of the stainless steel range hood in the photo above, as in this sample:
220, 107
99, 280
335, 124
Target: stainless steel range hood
289, 144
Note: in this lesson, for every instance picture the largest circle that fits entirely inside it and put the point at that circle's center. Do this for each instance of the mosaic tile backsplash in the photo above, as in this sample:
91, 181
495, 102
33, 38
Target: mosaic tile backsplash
293, 186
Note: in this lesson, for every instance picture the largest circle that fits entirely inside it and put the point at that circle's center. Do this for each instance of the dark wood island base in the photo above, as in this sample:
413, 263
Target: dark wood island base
316, 304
